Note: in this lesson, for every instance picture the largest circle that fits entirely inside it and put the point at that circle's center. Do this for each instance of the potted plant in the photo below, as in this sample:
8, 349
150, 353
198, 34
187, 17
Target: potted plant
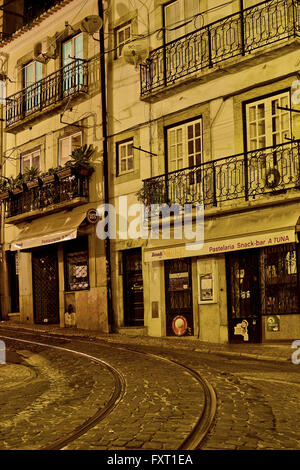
16, 185
80, 160
4, 189
31, 177
64, 172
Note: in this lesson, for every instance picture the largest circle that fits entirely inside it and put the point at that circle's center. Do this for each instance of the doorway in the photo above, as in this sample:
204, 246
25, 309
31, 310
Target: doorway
133, 288
179, 297
244, 305
45, 286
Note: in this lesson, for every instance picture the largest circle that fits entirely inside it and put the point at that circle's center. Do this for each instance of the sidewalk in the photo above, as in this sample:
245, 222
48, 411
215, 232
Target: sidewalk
279, 351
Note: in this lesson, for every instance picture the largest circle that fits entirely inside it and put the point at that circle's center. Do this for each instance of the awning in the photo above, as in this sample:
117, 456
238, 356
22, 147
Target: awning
240, 231
49, 229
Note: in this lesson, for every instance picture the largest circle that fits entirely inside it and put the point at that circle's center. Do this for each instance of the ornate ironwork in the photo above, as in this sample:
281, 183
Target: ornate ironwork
237, 34
68, 80
245, 175
55, 192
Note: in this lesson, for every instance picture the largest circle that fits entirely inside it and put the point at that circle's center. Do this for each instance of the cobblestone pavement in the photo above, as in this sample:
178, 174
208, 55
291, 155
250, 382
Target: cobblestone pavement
162, 402
257, 401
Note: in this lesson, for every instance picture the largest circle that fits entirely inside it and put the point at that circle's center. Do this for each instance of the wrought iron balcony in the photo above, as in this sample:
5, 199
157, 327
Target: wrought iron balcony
71, 79
239, 34
248, 175
52, 195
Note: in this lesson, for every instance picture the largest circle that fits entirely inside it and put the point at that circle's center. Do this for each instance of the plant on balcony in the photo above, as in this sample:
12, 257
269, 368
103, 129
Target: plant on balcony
80, 160
4, 189
31, 177
155, 194
16, 185
50, 175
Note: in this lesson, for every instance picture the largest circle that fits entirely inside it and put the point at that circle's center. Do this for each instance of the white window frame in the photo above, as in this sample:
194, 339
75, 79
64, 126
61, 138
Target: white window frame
260, 133
31, 154
125, 144
120, 44
183, 13
184, 145
70, 138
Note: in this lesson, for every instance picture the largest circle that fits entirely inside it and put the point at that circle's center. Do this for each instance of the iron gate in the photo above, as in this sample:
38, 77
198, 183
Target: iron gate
45, 286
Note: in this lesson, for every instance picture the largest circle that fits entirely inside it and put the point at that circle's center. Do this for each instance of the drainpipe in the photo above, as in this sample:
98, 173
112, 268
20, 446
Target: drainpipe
105, 166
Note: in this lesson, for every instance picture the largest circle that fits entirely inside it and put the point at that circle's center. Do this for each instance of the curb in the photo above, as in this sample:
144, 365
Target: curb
109, 339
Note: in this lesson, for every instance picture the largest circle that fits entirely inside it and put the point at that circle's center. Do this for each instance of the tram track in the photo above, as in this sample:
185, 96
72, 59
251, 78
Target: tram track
193, 440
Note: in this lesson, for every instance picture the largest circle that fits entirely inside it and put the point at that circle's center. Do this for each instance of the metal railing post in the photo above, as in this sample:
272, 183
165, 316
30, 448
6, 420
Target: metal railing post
242, 26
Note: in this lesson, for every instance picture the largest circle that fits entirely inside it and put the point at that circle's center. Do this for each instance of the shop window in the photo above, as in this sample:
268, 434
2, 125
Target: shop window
122, 36
267, 125
125, 157
280, 281
31, 159
66, 145
76, 265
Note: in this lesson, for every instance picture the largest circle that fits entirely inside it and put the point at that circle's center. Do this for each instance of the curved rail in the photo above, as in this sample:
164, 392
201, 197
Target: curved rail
195, 438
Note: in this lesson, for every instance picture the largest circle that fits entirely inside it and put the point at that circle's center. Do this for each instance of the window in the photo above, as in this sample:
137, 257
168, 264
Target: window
266, 124
125, 158
72, 49
76, 264
32, 74
178, 12
184, 145
67, 145
122, 35
31, 159
280, 293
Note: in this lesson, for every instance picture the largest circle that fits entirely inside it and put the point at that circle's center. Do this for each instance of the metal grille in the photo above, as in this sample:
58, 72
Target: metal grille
45, 286
246, 175
235, 35
77, 271
69, 80
279, 279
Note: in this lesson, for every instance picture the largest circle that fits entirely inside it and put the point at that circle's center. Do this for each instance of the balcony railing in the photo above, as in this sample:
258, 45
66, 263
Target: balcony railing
46, 195
236, 35
248, 175
69, 80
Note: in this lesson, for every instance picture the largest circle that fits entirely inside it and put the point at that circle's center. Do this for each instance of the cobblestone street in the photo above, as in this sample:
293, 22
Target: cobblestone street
47, 394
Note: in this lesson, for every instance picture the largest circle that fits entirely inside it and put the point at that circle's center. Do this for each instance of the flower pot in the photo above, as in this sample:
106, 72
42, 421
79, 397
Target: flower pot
17, 190
4, 195
49, 178
84, 171
65, 172
33, 183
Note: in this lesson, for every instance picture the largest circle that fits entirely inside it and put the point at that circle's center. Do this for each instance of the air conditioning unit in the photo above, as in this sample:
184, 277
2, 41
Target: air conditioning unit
45, 50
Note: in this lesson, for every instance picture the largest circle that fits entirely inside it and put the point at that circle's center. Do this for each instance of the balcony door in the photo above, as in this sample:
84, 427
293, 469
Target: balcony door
268, 125
178, 13
184, 147
72, 55
32, 76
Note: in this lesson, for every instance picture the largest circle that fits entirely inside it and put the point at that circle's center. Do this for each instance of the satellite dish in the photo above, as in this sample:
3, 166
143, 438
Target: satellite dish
91, 24
135, 52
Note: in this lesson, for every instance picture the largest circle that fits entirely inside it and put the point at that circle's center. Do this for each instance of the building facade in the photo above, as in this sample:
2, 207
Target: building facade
205, 112
54, 265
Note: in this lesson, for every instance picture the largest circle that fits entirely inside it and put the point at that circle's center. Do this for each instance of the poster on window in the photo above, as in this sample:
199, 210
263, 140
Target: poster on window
273, 323
206, 287
178, 281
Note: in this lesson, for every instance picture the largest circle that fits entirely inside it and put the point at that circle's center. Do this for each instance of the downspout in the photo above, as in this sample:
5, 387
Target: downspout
105, 166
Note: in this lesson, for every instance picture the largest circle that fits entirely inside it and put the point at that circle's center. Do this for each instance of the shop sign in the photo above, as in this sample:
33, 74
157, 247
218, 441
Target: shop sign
179, 325
273, 323
223, 246
92, 216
